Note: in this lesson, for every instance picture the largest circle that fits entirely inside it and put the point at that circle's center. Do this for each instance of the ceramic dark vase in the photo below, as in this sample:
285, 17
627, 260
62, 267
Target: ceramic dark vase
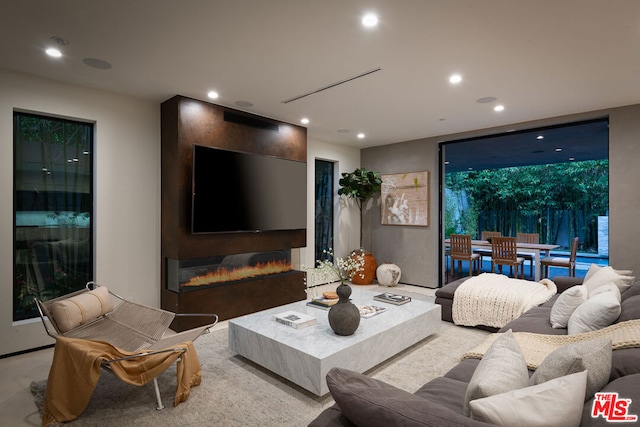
344, 317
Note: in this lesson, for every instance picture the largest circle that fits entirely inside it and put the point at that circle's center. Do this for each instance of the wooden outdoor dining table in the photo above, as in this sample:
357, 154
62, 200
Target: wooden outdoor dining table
530, 248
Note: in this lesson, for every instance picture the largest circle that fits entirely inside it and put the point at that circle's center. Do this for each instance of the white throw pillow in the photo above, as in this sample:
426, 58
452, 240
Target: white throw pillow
595, 313
558, 402
608, 275
71, 312
502, 368
565, 305
609, 287
594, 268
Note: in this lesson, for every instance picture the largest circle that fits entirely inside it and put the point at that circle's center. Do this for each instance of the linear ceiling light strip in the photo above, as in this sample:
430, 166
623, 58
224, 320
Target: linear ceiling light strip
366, 73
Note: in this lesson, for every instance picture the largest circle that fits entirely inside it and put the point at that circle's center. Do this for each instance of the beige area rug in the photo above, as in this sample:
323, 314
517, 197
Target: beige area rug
237, 392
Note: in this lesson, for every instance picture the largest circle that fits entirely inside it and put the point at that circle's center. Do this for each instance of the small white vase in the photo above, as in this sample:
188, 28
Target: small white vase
388, 274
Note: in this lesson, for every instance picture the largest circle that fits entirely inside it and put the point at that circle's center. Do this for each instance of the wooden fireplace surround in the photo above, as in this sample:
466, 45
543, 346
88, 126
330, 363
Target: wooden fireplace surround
185, 122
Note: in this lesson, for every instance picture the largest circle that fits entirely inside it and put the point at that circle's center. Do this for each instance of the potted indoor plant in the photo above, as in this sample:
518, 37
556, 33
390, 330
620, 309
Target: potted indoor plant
361, 185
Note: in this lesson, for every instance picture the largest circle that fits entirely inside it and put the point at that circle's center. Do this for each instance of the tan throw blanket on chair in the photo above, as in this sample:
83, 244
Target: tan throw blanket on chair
494, 299
75, 371
536, 347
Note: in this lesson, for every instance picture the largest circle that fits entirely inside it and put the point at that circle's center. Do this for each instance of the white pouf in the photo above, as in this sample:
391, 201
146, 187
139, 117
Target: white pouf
388, 274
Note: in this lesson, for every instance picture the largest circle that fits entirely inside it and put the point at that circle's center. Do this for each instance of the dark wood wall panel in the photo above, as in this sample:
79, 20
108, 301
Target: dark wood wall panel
233, 300
186, 122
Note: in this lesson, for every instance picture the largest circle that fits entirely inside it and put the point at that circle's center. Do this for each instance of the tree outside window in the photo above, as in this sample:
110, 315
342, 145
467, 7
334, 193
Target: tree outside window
53, 205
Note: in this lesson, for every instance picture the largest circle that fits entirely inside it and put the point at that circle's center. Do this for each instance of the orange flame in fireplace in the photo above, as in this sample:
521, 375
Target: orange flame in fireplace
225, 275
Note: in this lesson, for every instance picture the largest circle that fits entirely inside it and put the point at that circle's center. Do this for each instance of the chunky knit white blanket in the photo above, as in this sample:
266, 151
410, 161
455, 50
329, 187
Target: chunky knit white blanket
494, 299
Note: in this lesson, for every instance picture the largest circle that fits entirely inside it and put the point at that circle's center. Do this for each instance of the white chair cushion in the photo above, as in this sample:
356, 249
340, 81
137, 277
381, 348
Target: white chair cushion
72, 312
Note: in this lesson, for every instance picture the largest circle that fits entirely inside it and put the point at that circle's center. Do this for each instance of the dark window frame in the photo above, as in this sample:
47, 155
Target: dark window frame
53, 227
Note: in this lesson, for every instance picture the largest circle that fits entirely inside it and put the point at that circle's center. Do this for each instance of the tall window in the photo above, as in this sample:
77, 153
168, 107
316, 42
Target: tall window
552, 181
53, 206
324, 207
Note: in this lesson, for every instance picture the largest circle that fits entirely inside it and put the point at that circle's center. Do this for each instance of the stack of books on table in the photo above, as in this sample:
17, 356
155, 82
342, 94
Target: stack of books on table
322, 303
392, 298
294, 319
367, 311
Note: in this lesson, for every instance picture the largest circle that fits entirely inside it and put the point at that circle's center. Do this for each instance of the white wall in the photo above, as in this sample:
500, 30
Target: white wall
346, 218
127, 191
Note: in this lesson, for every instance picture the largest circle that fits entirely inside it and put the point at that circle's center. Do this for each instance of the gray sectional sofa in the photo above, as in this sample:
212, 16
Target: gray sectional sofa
363, 401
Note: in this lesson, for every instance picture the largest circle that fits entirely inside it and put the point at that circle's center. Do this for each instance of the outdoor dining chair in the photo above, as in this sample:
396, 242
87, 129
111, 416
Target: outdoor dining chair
528, 238
562, 262
460, 250
504, 252
486, 235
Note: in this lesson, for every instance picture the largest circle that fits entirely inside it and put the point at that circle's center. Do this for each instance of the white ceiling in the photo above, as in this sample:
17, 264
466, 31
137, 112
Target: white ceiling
539, 58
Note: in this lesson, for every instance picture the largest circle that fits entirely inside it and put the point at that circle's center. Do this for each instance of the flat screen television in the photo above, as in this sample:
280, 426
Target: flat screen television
241, 192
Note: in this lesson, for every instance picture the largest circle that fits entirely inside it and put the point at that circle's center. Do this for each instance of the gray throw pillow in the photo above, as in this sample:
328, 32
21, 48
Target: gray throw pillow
592, 355
502, 368
373, 403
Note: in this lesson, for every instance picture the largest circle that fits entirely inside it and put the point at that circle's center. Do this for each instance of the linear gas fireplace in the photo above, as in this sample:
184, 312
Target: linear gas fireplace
193, 274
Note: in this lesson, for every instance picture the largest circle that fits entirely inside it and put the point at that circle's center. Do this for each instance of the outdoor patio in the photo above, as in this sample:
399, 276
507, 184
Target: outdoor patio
583, 261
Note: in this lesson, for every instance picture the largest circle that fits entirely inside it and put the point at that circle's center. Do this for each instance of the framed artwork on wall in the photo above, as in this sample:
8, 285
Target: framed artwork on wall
405, 199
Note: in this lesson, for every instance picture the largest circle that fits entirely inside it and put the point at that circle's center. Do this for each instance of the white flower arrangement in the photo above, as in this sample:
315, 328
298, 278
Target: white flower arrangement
331, 269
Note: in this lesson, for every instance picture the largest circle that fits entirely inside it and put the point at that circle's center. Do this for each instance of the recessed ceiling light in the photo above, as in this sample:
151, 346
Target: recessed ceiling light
571, 159
361, 135
53, 52
212, 94
455, 79
558, 150
245, 104
539, 137
304, 121
370, 20
446, 162
498, 108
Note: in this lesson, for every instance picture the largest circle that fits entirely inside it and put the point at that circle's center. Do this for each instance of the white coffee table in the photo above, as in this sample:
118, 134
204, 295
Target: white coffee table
304, 356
